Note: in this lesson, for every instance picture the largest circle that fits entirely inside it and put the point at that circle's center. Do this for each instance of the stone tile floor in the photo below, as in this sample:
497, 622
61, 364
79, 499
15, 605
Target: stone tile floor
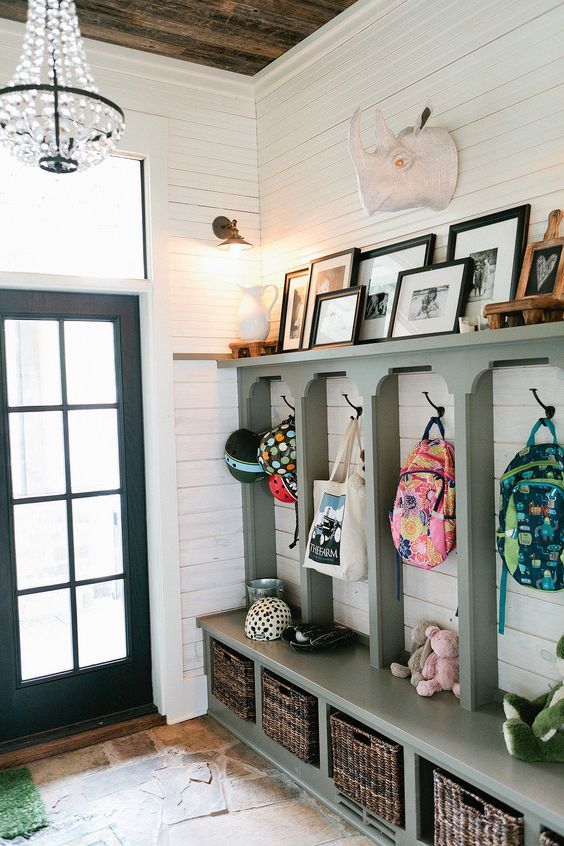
192, 783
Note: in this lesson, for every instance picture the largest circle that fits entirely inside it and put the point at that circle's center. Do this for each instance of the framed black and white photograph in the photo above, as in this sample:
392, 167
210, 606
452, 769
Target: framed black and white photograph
293, 310
378, 271
429, 300
336, 318
327, 274
496, 243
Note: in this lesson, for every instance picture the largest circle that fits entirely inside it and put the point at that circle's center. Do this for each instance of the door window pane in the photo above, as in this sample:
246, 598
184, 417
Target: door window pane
90, 362
33, 365
101, 623
97, 537
40, 530
94, 451
88, 225
45, 634
37, 453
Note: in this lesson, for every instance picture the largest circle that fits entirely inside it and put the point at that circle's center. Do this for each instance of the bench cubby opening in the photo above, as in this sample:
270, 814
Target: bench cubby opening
233, 680
367, 768
290, 716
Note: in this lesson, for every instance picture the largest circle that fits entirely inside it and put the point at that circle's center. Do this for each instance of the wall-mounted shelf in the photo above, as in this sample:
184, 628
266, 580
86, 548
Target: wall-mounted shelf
432, 732
407, 346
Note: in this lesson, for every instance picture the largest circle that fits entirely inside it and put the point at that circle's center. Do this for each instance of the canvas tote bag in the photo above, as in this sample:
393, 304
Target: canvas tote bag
336, 543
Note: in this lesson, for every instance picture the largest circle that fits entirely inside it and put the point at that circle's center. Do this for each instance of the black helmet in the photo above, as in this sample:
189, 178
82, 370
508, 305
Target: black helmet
241, 456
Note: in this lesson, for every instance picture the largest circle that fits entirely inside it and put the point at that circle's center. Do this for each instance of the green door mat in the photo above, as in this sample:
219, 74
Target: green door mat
21, 807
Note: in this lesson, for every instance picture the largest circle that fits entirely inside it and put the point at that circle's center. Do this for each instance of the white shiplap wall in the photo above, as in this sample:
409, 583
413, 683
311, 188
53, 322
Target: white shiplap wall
212, 568
493, 72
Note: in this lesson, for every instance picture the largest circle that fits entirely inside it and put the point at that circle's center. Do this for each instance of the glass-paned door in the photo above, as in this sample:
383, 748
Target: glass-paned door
74, 616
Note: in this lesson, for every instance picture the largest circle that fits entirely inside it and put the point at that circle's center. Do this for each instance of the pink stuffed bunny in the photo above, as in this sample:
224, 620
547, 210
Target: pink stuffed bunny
440, 671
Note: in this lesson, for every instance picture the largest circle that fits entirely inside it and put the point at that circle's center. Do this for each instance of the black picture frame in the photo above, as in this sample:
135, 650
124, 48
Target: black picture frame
521, 214
288, 279
426, 241
358, 292
467, 266
349, 280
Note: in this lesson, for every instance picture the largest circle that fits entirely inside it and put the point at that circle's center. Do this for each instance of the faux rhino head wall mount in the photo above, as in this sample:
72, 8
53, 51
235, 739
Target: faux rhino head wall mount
418, 168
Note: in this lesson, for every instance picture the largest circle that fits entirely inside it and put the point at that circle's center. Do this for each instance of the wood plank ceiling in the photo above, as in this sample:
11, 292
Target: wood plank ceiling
229, 34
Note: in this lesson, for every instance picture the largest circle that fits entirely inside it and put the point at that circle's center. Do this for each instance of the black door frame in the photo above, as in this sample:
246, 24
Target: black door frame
117, 690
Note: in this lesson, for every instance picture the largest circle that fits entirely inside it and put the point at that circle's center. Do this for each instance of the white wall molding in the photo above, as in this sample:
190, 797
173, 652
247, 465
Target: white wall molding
327, 38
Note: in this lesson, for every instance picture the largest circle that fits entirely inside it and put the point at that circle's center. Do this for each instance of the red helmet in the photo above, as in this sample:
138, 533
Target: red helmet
284, 488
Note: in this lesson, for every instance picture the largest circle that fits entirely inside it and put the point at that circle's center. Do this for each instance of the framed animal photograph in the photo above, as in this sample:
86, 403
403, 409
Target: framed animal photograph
496, 243
293, 310
429, 300
336, 318
543, 265
378, 271
330, 273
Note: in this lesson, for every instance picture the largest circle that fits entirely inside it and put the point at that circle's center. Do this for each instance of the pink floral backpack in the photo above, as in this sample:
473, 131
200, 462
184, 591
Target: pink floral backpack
423, 518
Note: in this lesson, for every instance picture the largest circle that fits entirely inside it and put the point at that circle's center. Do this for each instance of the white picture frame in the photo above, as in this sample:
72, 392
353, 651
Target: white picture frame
327, 274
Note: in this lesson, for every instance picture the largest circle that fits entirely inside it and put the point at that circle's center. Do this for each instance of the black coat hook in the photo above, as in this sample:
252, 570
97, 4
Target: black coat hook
287, 403
357, 408
440, 409
549, 410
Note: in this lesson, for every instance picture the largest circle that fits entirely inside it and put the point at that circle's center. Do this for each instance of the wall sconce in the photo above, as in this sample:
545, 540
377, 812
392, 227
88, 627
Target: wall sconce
231, 238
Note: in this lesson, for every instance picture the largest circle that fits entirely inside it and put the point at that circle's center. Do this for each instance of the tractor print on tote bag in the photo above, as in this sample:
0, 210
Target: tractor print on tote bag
336, 544
325, 540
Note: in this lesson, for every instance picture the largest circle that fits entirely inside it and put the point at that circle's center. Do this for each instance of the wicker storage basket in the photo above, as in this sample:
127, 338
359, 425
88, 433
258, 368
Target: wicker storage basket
233, 680
367, 768
468, 819
290, 716
547, 838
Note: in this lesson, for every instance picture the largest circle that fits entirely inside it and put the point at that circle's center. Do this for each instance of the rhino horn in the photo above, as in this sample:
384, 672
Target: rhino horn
358, 154
385, 138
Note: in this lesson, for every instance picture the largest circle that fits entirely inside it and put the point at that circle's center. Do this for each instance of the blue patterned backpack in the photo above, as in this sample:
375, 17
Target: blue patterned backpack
530, 536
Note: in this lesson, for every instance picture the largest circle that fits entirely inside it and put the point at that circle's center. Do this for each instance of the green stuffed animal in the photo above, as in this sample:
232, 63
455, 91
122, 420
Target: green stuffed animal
534, 729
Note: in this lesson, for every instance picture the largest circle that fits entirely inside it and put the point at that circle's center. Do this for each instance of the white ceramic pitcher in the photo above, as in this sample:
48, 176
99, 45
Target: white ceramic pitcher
253, 317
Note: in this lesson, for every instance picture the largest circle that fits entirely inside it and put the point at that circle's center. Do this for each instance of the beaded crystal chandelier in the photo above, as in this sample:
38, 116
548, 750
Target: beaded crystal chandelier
51, 114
